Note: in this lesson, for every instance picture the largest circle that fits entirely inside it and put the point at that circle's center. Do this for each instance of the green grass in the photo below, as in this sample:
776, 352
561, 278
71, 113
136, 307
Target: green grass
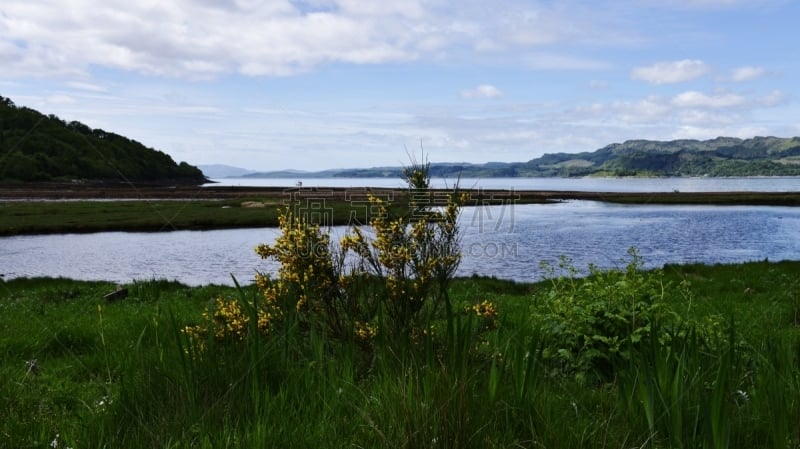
89, 373
90, 216
40, 217
37, 217
761, 298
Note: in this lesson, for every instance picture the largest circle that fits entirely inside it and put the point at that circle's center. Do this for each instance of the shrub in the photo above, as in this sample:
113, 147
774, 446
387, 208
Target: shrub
596, 321
390, 281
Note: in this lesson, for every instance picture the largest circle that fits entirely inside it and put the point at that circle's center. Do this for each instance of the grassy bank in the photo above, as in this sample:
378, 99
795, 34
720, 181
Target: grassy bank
220, 208
687, 356
50, 210
152, 215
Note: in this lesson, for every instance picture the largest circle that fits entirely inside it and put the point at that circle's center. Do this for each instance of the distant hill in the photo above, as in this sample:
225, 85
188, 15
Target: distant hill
223, 171
444, 169
36, 147
723, 156
295, 174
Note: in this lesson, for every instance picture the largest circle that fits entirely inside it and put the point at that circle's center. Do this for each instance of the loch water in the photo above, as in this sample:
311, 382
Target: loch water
507, 240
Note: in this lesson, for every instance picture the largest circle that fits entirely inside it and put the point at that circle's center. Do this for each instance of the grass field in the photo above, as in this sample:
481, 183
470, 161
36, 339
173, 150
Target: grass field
687, 356
45, 212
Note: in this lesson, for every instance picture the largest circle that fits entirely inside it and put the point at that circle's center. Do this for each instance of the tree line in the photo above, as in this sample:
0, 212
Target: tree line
35, 148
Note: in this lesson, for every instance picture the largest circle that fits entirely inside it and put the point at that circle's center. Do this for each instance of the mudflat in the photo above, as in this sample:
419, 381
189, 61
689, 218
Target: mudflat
70, 191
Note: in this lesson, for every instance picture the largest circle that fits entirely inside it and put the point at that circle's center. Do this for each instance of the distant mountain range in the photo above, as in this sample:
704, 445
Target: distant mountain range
723, 156
223, 171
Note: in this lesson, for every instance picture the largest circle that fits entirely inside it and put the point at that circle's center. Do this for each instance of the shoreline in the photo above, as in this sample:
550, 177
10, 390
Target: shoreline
59, 208
75, 192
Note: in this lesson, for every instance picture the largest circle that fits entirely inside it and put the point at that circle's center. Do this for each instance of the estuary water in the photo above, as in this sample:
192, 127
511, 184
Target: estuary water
507, 241
700, 184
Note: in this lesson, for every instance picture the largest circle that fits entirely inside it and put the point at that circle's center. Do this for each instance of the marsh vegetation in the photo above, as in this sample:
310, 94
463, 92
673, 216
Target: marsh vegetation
687, 356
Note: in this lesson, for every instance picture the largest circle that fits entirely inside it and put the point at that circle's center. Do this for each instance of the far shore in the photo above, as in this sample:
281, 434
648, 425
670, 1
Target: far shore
56, 192
61, 208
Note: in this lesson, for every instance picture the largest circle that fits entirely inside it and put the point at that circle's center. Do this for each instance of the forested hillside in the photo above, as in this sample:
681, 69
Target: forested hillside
37, 147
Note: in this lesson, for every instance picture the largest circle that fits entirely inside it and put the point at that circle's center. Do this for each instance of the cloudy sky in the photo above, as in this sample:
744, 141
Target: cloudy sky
316, 84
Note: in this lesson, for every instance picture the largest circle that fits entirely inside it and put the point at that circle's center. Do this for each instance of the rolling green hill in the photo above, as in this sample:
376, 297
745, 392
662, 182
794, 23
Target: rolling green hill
723, 156
35, 148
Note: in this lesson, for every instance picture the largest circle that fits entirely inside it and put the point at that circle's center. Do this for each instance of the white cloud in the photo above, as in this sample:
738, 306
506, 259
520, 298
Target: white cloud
690, 111
206, 38
404, 8
84, 86
747, 73
482, 91
532, 27
694, 99
703, 133
60, 99
670, 72
774, 98
184, 38
697, 117
555, 61
650, 109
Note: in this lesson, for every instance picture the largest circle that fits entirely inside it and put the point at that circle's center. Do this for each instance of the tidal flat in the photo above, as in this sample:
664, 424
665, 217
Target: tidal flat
68, 208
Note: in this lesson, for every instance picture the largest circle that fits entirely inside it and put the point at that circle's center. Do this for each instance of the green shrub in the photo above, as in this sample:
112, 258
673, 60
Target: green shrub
596, 321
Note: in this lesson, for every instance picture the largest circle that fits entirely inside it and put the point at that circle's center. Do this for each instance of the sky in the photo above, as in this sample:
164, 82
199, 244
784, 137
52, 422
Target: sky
320, 84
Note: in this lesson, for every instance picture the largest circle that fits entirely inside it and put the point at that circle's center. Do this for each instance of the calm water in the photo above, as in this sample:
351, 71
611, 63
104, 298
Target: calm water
504, 241
772, 184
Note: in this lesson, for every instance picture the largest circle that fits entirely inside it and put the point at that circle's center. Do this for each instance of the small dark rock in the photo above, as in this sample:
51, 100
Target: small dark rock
32, 366
120, 293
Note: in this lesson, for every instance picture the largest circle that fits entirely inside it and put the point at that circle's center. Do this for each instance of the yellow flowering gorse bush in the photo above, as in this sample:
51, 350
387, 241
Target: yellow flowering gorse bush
412, 258
396, 274
392, 278
230, 322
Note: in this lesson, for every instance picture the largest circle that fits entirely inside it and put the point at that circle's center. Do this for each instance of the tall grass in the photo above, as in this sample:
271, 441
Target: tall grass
126, 376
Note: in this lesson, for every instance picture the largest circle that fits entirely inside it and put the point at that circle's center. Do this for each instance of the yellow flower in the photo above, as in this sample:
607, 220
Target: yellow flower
301, 301
485, 309
365, 331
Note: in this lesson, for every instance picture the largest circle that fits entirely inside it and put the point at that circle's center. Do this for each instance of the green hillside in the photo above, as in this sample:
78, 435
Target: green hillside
723, 156
35, 147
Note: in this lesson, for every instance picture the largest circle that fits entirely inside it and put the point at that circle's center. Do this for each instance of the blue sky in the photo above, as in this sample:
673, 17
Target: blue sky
318, 84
